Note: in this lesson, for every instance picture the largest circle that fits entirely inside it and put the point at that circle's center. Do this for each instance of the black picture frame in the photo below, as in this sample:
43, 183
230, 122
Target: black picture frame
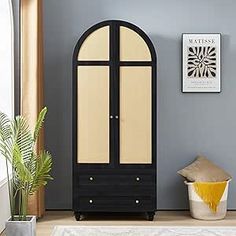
201, 42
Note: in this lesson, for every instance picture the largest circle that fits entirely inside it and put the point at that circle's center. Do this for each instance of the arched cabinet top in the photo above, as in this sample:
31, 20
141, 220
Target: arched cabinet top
134, 44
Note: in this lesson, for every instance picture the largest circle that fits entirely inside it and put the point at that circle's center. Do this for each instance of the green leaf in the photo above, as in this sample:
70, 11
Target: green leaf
23, 174
43, 167
5, 130
5, 137
39, 122
23, 138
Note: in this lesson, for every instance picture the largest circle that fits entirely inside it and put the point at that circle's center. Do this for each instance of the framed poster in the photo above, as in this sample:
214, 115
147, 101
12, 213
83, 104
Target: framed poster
201, 64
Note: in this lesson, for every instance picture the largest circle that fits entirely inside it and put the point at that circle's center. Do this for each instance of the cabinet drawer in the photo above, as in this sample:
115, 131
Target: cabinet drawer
116, 204
116, 179
116, 190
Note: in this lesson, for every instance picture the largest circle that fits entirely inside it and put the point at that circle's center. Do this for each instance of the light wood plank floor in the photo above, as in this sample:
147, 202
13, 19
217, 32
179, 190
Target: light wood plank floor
162, 218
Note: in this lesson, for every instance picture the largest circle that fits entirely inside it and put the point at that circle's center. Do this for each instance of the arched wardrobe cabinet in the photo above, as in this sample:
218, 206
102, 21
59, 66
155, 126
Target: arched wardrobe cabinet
114, 120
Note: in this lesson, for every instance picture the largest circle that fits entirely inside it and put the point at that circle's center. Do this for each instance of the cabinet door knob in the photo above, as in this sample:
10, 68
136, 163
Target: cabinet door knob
137, 178
117, 117
111, 117
137, 201
91, 178
90, 201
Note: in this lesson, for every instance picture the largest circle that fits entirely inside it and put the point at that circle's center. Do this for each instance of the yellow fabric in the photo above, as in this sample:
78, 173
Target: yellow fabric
32, 78
210, 192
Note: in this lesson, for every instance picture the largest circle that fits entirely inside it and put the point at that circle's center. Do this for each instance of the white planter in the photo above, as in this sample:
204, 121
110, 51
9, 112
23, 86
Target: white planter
199, 210
21, 228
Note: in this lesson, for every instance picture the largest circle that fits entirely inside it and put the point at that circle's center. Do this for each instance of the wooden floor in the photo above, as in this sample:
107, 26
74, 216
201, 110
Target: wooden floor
162, 218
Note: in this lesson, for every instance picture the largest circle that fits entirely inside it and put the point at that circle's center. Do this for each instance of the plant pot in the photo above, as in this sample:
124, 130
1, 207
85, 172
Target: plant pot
21, 228
199, 210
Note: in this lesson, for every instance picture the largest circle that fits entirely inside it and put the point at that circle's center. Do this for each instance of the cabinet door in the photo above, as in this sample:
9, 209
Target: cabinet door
135, 115
93, 114
114, 69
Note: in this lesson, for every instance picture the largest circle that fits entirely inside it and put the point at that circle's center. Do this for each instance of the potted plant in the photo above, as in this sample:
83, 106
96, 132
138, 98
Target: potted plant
27, 170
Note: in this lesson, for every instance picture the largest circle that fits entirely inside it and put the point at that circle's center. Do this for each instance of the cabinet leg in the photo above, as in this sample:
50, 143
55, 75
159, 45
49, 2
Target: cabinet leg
77, 216
150, 215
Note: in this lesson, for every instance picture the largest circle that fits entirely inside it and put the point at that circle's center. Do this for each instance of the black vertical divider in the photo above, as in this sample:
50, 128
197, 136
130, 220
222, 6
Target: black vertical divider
112, 96
154, 119
116, 69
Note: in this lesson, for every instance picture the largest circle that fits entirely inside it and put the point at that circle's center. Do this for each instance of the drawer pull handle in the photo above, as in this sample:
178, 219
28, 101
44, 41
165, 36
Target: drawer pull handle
90, 201
137, 178
137, 201
91, 178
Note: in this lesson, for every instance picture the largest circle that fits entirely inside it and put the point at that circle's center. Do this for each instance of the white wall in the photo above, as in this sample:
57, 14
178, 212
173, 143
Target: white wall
6, 72
6, 95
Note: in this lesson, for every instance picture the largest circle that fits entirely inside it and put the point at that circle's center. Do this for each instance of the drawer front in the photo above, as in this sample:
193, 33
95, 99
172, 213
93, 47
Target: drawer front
116, 180
119, 190
117, 204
